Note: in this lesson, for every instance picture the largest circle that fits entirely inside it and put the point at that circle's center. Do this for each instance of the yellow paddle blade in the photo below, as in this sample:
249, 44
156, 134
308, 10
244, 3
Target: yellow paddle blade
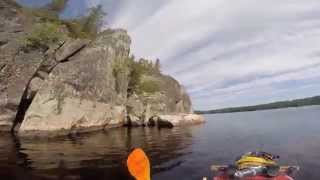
139, 165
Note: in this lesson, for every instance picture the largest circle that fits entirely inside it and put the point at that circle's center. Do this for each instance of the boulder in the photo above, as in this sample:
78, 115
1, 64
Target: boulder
135, 110
134, 121
33, 87
176, 120
118, 117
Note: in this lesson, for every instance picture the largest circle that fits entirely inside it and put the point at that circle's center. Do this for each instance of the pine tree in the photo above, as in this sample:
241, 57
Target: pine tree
94, 20
157, 65
57, 6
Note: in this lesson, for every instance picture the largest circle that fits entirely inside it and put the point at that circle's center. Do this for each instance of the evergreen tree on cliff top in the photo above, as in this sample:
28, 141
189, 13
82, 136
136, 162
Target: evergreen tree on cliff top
94, 21
48, 25
157, 65
86, 26
57, 5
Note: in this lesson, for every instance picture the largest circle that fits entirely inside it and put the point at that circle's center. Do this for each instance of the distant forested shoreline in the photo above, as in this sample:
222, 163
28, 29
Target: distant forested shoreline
275, 105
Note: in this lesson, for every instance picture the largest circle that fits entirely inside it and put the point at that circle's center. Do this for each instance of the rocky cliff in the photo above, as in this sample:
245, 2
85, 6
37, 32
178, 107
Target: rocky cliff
16, 68
75, 85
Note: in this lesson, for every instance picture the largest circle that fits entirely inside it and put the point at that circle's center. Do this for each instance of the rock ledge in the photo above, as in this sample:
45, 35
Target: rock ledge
176, 120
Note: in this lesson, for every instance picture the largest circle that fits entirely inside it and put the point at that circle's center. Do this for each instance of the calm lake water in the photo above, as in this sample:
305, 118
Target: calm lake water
178, 153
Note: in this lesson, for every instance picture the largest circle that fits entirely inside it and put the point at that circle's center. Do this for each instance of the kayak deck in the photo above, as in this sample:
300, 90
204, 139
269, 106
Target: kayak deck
283, 169
285, 173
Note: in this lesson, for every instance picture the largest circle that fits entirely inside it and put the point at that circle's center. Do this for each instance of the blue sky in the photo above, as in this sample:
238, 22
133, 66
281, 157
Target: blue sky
225, 52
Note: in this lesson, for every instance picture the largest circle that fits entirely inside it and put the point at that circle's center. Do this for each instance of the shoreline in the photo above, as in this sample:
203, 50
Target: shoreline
159, 121
290, 107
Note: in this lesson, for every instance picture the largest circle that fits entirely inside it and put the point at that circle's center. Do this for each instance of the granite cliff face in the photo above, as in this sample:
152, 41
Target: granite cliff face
80, 92
72, 86
170, 99
16, 68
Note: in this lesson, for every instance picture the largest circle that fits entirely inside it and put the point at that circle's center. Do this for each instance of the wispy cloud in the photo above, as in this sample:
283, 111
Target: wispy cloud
226, 52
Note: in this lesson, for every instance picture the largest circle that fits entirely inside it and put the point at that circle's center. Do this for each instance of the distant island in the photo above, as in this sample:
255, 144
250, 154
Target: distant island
275, 105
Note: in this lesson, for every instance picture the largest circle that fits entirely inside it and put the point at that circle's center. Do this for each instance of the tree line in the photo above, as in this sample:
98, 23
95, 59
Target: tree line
275, 105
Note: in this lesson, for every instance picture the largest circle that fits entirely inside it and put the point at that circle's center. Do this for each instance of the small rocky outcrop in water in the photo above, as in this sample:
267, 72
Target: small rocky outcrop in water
176, 120
77, 85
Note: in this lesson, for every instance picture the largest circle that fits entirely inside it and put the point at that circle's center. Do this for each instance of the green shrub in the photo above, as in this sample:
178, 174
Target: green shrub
148, 87
48, 13
121, 66
42, 35
93, 22
75, 29
57, 5
42, 14
87, 26
139, 69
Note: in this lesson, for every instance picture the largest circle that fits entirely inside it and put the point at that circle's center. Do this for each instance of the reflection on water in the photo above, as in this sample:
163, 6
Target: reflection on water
180, 153
90, 156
